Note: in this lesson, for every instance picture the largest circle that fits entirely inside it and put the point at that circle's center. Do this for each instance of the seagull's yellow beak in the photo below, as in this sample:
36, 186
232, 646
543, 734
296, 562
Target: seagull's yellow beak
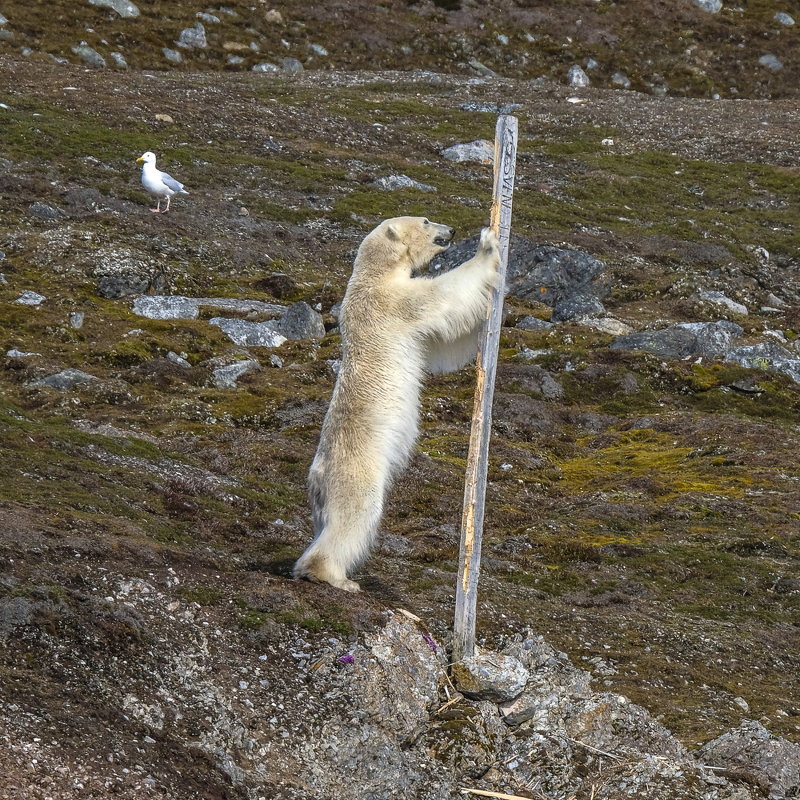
139, 159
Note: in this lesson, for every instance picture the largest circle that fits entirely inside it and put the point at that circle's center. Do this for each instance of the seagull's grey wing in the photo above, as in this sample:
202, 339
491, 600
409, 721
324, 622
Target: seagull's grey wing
169, 181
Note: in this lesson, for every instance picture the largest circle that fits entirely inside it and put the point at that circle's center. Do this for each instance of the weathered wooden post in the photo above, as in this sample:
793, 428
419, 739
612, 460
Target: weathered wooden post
505, 157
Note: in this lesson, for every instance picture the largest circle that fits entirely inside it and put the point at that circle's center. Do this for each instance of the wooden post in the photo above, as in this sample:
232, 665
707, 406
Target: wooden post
505, 156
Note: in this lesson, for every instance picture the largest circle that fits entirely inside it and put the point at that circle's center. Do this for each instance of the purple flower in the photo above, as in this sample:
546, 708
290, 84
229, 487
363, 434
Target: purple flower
430, 640
347, 659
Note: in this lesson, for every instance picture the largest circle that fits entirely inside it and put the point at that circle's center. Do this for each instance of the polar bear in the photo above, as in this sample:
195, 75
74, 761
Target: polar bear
394, 328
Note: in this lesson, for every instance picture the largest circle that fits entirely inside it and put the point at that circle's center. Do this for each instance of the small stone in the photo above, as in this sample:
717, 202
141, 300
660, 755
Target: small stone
318, 50
234, 61
391, 183
519, 710
776, 301
176, 359
719, 299
29, 298
119, 60
609, 325
89, 56
193, 37
3, 20
771, 62
172, 55
76, 319
292, 66
577, 78
226, 377
45, 211
712, 6
577, 306
742, 703
530, 323
621, 79
265, 67
164, 118
14, 353
482, 69
273, 17
783, 18
206, 17
124, 8
481, 150
66, 379
490, 676
300, 321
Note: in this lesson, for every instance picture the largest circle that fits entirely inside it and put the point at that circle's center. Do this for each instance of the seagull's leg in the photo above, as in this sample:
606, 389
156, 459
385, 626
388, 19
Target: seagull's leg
169, 197
157, 209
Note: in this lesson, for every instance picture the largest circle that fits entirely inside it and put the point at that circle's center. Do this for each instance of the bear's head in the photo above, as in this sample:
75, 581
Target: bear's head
412, 241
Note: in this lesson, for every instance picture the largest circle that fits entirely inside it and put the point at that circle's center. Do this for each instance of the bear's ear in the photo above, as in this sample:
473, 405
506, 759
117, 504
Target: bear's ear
391, 233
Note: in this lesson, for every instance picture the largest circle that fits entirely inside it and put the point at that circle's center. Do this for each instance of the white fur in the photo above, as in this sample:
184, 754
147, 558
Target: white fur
394, 329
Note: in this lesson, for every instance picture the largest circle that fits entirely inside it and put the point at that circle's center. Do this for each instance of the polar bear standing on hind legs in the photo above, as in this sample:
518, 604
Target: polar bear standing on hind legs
395, 327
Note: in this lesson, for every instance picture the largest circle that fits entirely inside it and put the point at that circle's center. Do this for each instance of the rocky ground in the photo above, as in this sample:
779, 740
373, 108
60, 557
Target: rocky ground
643, 506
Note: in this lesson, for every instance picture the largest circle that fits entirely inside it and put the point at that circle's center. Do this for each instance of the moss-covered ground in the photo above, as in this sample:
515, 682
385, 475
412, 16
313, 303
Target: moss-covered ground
647, 514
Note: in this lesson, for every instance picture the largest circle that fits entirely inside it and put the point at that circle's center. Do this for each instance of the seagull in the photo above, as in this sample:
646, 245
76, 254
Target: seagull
158, 183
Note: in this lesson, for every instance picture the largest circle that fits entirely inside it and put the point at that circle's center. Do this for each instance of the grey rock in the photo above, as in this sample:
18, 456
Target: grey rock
771, 62
481, 151
707, 339
712, 6
580, 305
166, 307
577, 78
234, 60
544, 274
720, 299
45, 211
292, 66
3, 20
125, 8
533, 324
29, 298
767, 355
76, 319
172, 55
66, 379
773, 761
621, 79
318, 50
226, 377
116, 286
300, 321
3, 280
192, 37
390, 183
16, 612
179, 307
250, 334
783, 18
89, 56
206, 17
265, 66
490, 676
119, 60
6, 36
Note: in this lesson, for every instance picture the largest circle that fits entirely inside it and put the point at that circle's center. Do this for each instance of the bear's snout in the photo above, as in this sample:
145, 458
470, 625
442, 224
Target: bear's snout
445, 238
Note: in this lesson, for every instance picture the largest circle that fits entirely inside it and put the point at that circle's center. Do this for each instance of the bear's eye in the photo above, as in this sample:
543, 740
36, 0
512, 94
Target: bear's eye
426, 222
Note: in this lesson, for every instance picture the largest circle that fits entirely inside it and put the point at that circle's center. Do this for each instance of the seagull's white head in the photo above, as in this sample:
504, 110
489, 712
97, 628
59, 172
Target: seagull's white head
148, 157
